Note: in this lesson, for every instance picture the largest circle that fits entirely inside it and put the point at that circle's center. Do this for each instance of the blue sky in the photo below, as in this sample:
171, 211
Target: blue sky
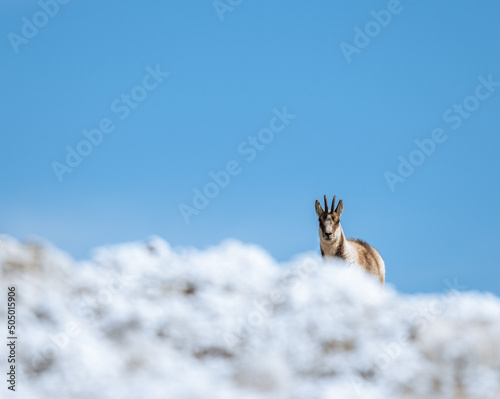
231, 70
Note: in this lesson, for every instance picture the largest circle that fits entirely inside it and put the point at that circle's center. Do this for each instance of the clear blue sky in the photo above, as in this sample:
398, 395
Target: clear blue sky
353, 120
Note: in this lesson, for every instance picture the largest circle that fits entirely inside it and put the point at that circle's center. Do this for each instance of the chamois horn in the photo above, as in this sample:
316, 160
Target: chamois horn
333, 203
326, 205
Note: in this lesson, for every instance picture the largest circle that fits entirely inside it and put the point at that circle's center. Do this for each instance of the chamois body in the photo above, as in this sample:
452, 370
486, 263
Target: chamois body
334, 244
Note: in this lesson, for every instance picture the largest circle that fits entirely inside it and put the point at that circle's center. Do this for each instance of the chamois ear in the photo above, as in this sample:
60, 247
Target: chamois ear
340, 208
319, 209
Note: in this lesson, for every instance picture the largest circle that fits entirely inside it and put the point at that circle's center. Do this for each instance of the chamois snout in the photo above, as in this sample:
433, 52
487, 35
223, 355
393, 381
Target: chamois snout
327, 227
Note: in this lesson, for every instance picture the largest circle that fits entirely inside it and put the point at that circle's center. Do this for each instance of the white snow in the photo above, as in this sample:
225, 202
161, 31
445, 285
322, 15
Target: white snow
144, 320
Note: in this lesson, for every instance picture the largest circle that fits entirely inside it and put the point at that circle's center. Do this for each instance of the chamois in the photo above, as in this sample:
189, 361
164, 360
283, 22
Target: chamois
334, 244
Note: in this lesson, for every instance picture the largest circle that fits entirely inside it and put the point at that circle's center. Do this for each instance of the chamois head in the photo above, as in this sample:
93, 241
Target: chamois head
329, 221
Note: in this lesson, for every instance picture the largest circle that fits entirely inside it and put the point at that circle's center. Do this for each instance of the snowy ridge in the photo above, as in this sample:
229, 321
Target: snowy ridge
145, 320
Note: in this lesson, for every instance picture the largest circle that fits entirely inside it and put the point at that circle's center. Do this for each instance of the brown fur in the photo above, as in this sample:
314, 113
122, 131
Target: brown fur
350, 250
